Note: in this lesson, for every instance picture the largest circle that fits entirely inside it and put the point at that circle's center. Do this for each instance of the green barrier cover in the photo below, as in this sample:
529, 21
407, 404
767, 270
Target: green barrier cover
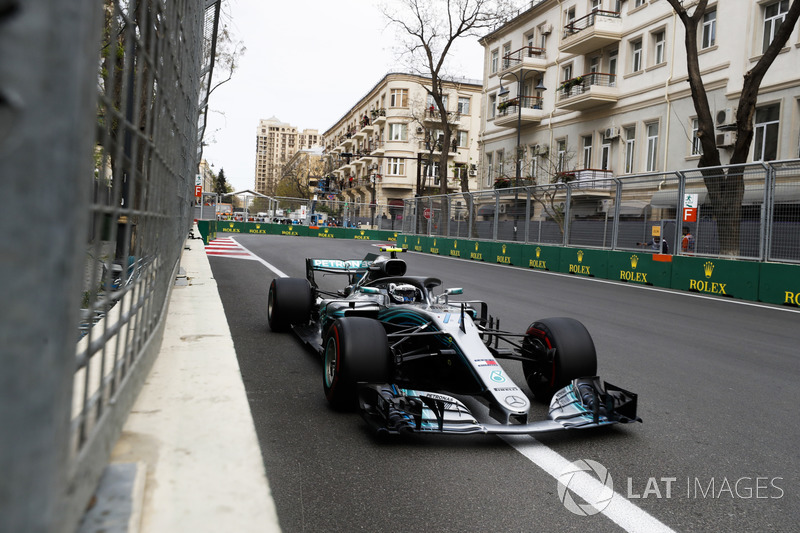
226, 226
404, 241
259, 228
582, 262
385, 235
418, 243
541, 257
292, 230
478, 250
716, 276
507, 253
779, 284
458, 248
207, 229
439, 245
322, 232
639, 267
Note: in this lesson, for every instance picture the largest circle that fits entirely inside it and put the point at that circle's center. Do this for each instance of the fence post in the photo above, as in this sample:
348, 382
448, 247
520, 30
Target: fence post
567, 203
679, 213
767, 211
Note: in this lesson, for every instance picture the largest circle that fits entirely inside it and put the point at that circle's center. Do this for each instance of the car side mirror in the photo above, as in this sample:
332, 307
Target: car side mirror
454, 290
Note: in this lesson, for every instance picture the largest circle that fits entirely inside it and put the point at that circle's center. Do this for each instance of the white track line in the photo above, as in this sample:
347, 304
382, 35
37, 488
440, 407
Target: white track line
619, 510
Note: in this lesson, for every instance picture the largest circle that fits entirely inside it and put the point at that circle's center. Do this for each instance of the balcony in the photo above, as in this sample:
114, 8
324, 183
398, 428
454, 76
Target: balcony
592, 32
378, 116
526, 58
377, 148
588, 91
589, 179
433, 116
509, 112
436, 146
396, 182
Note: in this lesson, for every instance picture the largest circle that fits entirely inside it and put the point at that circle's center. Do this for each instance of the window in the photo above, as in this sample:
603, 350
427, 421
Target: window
495, 61
697, 147
489, 170
765, 138
773, 17
463, 105
398, 132
587, 151
432, 171
638, 3
605, 154
630, 146
658, 47
636, 56
652, 146
612, 69
492, 105
709, 37
396, 167
432, 103
561, 155
567, 73
399, 98
506, 51
500, 156
461, 139
543, 36
534, 170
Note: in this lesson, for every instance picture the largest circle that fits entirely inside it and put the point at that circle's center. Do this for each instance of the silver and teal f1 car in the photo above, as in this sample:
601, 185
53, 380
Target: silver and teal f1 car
416, 361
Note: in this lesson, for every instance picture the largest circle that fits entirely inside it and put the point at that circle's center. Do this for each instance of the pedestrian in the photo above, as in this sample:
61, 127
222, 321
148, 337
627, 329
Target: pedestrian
656, 243
687, 242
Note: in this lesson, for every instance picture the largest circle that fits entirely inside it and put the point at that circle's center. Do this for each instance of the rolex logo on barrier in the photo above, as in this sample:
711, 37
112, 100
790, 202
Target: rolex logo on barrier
629, 275
708, 268
476, 246
504, 249
455, 245
434, 242
326, 230
707, 286
634, 261
258, 226
231, 224
580, 256
362, 232
538, 252
580, 269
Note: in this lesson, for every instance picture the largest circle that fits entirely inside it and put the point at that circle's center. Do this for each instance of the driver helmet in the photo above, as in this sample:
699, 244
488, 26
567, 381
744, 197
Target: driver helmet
404, 293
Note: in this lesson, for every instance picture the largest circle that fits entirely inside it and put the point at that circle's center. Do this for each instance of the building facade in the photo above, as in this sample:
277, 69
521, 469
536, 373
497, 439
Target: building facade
386, 148
276, 143
600, 88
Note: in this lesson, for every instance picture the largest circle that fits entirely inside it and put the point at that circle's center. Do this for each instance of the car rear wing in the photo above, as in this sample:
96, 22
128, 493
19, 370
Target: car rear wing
353, 268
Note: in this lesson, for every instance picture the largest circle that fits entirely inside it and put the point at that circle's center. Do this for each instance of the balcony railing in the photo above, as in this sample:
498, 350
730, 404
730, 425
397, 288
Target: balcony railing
581, 84
509, 107
433, 114
517, 56
578, 25
588, 178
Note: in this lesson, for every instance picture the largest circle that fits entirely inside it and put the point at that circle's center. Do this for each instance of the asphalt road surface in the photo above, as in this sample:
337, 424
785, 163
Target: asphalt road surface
718, 391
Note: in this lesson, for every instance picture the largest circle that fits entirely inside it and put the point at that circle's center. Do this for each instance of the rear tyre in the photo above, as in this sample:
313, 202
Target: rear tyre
289, 303
355, 350
574, 355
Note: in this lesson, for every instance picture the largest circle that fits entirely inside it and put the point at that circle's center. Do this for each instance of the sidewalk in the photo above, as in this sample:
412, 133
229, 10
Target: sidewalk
190, 431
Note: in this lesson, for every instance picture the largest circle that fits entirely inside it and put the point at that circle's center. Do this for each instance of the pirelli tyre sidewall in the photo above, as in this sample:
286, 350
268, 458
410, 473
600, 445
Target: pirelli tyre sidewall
575, 355
289, 302
355, 349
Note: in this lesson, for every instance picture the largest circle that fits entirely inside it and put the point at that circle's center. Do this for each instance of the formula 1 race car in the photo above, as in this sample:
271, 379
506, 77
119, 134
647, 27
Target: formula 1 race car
413, 361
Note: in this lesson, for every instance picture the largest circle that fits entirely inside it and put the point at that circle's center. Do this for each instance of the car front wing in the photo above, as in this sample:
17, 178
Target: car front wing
584, 403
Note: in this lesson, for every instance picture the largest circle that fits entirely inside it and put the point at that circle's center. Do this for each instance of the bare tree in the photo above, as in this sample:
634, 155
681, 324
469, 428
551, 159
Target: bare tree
431, 28
726, 192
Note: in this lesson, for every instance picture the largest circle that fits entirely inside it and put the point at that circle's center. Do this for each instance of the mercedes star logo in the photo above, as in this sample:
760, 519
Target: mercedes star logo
515, 401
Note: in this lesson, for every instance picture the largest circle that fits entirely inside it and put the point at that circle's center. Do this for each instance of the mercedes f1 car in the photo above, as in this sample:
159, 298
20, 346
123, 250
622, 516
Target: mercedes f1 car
415, 361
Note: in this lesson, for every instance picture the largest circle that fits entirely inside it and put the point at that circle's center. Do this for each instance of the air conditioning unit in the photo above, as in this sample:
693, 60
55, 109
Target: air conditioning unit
725, 117
473, 173
420, 130
502, 208
547, 29
726, 138
611, 133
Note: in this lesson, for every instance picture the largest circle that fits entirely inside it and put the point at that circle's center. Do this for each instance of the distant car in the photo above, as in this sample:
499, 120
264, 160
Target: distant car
419, 362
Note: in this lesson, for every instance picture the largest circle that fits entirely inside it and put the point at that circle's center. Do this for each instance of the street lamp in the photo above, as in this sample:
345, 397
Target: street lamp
503, 92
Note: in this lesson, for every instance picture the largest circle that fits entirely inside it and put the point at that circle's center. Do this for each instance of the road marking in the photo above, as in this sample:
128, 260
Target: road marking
619, 510
228, 247
277, 271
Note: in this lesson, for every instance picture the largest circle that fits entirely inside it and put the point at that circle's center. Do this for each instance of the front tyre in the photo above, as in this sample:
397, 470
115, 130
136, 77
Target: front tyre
355, 349
557, 350
290, 301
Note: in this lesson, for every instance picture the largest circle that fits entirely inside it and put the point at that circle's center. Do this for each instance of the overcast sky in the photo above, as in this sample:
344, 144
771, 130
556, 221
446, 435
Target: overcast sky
307, 63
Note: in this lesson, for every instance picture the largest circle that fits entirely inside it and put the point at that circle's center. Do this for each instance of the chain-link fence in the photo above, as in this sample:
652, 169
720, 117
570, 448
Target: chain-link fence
746, 212
108, 117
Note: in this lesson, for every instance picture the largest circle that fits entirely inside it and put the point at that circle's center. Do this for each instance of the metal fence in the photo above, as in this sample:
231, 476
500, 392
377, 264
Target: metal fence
100, 169
299, 210
744, 212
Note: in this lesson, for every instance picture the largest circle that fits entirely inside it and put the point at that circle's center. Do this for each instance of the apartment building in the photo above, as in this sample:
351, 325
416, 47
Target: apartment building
276, 143
389, 142
600, 87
